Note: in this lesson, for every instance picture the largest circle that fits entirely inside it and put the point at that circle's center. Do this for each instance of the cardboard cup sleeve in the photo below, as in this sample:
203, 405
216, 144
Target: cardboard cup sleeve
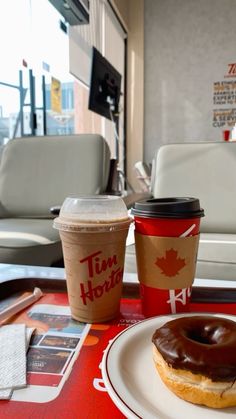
166, 262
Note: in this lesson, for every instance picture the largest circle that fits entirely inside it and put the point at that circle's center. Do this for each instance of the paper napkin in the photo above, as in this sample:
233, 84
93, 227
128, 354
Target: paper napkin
14, 341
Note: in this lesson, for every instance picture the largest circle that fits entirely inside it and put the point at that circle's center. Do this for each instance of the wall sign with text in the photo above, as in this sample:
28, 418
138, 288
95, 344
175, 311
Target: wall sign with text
224, 99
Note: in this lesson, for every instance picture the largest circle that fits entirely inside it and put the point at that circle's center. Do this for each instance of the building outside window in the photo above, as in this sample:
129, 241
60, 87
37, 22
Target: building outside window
40, 93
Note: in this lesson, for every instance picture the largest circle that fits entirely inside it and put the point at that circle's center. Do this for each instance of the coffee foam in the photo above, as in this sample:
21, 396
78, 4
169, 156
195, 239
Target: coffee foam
64, 224
92, 214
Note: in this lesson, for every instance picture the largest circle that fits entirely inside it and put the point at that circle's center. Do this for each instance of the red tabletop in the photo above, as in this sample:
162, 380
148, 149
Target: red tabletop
83, 394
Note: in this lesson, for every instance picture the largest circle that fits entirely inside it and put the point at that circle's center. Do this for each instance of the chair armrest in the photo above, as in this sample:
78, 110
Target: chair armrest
55, 210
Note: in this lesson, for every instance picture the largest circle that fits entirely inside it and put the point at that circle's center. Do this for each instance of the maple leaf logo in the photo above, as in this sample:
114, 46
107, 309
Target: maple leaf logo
171, 264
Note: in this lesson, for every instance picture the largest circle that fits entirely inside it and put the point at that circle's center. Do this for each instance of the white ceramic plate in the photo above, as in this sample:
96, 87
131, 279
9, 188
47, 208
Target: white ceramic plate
134, 385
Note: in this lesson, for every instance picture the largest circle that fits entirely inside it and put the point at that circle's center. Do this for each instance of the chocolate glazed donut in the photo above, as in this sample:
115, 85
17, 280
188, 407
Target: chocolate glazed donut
196, 358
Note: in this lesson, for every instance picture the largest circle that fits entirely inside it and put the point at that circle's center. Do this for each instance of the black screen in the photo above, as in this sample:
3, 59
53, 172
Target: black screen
105, 86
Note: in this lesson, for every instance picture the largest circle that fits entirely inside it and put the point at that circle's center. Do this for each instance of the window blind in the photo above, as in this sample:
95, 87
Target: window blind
81, 40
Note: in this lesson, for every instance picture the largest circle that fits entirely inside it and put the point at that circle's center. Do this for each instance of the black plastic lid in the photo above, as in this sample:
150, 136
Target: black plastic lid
168, 208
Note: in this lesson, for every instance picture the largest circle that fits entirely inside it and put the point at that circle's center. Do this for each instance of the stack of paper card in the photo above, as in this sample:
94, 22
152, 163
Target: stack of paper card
14, 341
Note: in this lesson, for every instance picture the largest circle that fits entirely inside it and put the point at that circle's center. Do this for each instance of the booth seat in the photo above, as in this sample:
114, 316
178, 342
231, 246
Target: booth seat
37, 173
206, 170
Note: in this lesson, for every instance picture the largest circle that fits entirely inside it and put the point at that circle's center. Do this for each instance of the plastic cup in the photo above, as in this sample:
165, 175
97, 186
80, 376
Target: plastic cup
166, 242
226, 135
93, 231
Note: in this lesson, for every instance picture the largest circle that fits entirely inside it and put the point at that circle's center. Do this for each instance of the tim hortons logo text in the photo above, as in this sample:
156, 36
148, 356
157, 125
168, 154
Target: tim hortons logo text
96, 266
231, 70
182, 297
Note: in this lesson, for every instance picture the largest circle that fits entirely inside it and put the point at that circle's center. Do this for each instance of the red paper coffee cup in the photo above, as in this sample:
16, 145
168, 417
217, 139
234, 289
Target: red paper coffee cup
166, 241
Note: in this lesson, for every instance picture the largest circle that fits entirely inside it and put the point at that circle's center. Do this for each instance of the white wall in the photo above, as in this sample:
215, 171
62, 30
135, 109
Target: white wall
188, 45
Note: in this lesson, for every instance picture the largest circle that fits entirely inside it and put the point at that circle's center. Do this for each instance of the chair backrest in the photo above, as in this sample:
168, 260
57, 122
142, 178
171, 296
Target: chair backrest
39, 172
203, 170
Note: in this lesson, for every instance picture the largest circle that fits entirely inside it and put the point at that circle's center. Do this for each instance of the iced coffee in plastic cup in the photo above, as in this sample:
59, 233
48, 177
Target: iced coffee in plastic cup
93, 231
166, 242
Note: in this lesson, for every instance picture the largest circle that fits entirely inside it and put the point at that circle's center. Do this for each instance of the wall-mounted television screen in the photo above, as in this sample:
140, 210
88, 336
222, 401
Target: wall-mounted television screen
105, 85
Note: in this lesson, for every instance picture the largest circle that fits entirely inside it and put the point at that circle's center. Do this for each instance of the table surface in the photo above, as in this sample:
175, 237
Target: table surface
8, 272
64, 359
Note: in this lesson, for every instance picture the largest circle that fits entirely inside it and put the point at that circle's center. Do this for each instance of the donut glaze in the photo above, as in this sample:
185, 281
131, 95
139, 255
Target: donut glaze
201, 344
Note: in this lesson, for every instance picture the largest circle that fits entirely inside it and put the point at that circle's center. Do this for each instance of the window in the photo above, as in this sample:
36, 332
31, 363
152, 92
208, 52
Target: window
45, 70
106, 34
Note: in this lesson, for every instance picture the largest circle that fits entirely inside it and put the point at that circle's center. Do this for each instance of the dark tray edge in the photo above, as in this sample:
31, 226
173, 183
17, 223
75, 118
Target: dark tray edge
130, 290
